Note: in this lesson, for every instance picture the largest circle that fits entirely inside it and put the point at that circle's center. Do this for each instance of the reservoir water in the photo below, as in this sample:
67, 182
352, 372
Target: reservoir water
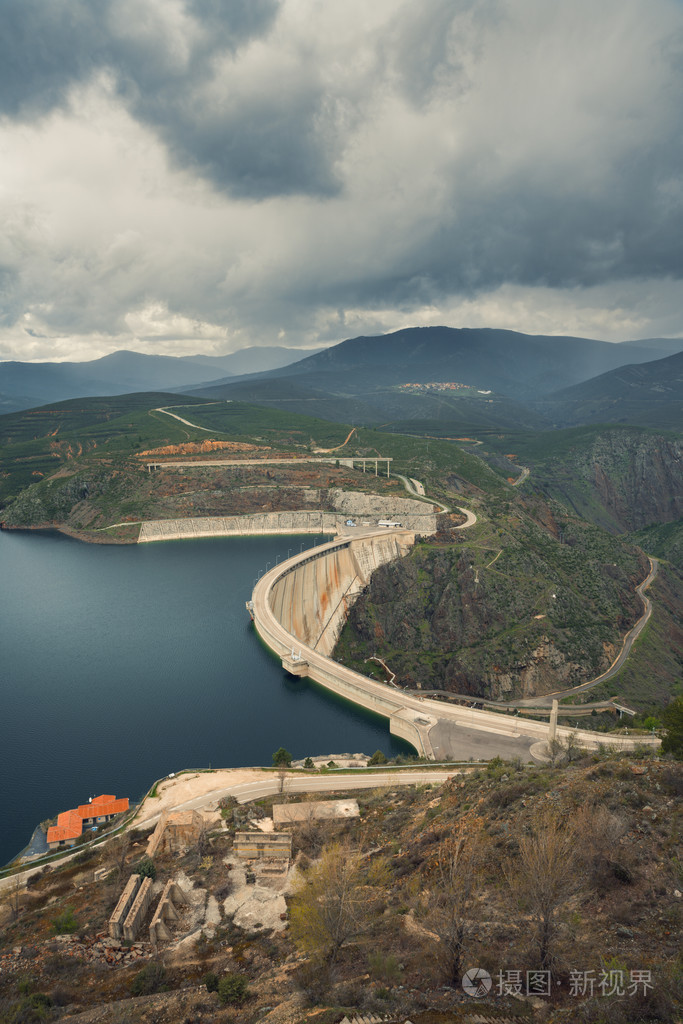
119, 664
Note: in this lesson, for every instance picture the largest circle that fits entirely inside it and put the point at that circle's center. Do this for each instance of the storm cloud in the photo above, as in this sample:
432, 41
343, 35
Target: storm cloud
205, 174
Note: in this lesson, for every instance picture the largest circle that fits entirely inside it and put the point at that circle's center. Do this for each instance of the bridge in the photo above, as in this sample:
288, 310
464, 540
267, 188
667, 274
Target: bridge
350, 462
299, 608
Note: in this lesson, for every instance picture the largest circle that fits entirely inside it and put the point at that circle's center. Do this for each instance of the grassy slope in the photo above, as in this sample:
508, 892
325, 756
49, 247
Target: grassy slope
467, 615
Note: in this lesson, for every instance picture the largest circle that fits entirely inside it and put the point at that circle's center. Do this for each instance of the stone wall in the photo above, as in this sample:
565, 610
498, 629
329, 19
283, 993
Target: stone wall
413, 515
263, 845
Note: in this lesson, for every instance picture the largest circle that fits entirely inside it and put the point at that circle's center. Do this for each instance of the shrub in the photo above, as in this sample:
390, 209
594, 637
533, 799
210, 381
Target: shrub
232, 988
308, 763
65, 923
147, 869
377, 758
152, 978
210, 981
383, 968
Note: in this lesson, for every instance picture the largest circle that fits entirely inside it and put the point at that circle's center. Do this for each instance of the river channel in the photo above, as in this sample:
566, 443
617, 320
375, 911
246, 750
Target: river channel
119, 664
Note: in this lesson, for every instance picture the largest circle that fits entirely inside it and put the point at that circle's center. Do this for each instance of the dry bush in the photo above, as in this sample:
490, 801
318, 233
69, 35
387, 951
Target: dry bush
335, 900
449, 907
606, 863
547, 878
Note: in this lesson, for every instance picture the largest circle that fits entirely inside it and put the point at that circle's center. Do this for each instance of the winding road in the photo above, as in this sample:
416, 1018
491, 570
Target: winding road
621, 657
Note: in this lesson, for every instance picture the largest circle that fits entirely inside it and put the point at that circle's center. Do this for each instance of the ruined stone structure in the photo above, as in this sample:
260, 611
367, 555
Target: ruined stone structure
310, 810
263, 846
123, 907
138, 911
175, 833
172, 897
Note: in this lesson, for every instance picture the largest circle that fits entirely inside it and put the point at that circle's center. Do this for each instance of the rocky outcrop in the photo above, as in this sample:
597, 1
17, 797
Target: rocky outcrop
546, 612
624, 479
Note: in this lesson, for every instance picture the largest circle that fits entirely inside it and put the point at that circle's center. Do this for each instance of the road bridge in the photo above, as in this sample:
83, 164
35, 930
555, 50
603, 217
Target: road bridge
354, 462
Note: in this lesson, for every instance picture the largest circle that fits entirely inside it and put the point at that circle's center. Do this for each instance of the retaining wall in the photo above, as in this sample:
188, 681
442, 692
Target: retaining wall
123, 907
138, 911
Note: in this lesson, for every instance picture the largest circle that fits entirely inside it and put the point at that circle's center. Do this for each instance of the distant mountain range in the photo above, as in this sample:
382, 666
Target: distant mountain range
509, 377
25, 385
422, 379
645, 394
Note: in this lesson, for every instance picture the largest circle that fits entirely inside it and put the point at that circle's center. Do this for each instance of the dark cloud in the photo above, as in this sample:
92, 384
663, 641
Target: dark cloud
341, 165
252, 142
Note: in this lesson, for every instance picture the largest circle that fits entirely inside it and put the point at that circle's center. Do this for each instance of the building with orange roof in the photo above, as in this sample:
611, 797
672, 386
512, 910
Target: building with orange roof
67, 830
70, 824
102, 809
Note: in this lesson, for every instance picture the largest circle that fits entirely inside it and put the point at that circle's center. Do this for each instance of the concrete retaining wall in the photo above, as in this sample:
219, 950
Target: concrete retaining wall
172, 897
138, 911
123, 907
413, 515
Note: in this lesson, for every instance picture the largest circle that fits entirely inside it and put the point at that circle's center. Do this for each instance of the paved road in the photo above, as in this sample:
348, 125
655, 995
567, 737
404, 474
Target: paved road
524, 475
270, 786
187, 422
417, 490
457, 742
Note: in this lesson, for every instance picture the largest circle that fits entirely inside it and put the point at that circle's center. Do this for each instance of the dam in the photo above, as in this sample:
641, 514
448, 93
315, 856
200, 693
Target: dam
299, 608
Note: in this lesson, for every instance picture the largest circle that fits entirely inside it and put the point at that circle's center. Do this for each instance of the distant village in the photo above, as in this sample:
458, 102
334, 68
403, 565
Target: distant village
441, 385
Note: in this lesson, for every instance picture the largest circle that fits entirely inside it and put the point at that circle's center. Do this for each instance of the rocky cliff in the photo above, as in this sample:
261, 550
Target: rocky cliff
621, 479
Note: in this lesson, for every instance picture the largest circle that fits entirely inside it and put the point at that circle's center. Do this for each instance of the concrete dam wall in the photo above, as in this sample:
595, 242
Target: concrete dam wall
312, 600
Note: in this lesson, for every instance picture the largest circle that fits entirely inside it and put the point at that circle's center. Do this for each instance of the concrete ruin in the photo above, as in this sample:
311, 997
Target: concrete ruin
314, 810
171, 898
175, 833
263, 846
138, 911
123, 907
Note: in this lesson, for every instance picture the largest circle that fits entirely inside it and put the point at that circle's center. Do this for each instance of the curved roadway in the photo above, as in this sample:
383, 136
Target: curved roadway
618, 662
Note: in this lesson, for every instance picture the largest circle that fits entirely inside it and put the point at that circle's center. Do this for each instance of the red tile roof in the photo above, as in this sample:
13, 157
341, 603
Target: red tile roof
70, 823
69, 826
103, 805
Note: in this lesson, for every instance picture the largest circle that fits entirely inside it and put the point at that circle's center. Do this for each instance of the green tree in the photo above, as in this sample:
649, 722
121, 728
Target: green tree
147, 869
282, 758
377, 758
65, 923
335, 900
672, 719
308, 763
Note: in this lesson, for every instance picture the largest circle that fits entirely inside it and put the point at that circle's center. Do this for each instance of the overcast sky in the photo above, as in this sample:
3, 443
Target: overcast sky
182, 176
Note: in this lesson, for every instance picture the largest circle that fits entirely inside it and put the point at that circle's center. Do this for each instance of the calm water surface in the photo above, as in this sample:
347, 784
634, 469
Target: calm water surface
121, 664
